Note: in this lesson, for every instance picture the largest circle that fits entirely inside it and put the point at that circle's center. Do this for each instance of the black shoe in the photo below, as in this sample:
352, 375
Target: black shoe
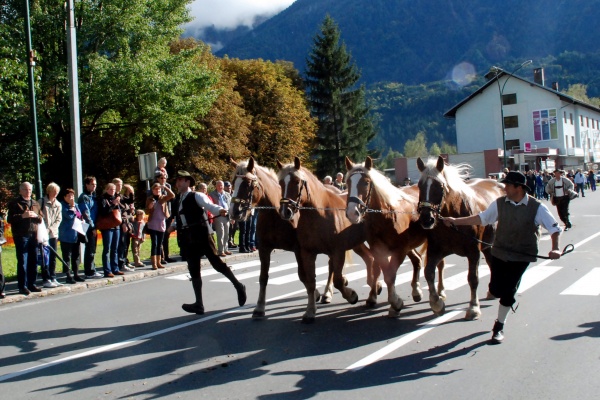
232, 245
25, 291
193, 308
243, 250
497, 333
77, 278
70, 280
241, 292
34, 289
169, 259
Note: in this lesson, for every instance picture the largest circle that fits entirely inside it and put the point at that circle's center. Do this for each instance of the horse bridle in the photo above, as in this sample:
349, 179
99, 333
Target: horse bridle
363, 206
295, 205
246, 204
435, 208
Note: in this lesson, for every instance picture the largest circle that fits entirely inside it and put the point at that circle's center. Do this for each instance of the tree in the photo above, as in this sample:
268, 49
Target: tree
135, 95
435, 150
281, 126
579, 92
416, 147
389, 160
345, 125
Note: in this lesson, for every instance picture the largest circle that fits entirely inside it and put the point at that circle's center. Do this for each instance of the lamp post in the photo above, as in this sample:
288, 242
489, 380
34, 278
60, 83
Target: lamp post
501, 91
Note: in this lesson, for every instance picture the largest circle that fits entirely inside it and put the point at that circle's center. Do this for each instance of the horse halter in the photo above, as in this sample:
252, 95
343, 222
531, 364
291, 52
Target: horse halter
363, 206
246, 204
435, 208
295, 205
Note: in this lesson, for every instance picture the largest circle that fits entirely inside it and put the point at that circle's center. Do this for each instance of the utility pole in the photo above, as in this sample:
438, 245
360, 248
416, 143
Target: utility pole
74, 100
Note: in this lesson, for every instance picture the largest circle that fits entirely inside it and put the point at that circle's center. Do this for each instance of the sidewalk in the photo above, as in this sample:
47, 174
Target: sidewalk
13, 296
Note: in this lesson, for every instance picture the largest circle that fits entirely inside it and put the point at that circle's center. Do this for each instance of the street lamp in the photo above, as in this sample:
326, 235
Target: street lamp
501, 91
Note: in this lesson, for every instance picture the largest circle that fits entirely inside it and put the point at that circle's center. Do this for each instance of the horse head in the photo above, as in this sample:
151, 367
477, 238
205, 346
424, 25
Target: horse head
432, 190
246, 191
359, 184
294, 189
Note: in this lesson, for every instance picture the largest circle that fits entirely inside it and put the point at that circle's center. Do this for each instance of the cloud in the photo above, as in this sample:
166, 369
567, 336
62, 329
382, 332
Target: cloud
229, 14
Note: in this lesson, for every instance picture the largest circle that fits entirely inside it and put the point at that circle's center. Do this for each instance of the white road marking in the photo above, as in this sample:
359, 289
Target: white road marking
402, 340
586, 286
254, 274
211, 271
282, 280
535, 275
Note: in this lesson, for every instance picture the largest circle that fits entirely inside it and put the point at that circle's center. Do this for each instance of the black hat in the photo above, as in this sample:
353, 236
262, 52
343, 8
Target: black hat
515, 178
186, 175
227, 184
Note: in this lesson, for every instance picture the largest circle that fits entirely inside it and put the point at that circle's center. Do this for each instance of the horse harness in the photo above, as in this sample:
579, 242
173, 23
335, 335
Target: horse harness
435, 208
295, 205
246, 204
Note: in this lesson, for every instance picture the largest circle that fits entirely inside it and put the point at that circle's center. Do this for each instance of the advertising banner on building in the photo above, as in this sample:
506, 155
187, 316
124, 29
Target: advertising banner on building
544, 125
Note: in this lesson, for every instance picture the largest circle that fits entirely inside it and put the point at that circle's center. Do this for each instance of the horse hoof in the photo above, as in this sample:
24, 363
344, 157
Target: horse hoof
370, 304
353, 299
417, 298
439, 312
472, 315
317, 296
443, 296
308, 320
379, 288
393, 313
325, 299
258, 315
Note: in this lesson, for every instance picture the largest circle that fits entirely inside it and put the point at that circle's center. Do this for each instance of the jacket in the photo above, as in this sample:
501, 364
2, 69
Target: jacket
66, 233
52, 215
24, 226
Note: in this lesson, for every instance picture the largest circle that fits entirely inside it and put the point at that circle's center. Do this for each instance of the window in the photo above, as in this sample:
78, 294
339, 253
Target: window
571, 118
513, 144
581, 120
565, 117
573, 141
511, 122
508, 99
587, 121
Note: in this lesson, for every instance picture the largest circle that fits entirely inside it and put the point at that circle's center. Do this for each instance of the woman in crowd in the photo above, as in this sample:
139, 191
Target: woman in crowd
110, 237
52, 214
127, 214
157, 210
69, 243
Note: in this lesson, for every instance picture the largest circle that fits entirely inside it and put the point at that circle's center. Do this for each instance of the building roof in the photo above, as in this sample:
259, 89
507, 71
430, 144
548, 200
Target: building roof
492, 77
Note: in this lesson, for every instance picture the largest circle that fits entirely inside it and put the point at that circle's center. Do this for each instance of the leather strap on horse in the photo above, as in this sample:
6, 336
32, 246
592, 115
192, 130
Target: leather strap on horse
566, 250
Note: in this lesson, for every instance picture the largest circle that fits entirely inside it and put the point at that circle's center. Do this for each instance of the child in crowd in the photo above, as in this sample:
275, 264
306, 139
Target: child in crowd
137, 237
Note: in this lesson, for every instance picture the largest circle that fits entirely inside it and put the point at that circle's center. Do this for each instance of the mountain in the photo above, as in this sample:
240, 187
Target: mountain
418, 58
414, 41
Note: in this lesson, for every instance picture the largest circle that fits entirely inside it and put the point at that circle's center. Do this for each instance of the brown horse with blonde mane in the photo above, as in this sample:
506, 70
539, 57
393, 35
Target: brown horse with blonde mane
392, 229
317, 214
443, 192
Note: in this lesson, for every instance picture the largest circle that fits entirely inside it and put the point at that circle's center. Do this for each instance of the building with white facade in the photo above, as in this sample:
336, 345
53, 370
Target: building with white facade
543, 127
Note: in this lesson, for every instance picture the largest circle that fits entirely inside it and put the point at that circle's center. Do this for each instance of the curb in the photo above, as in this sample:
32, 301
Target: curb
13, 296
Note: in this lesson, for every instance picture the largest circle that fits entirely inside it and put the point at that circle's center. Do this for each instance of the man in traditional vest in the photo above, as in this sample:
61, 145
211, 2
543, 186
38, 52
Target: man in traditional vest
558, 188
519, 217
195, 238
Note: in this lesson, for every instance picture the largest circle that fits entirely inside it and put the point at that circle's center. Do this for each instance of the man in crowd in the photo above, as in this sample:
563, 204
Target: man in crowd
221, 222
88, 206
558, 189
339, 181
25, 214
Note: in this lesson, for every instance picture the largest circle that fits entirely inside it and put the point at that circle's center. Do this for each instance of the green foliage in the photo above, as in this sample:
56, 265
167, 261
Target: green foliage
344, 122
416, 147
389, 160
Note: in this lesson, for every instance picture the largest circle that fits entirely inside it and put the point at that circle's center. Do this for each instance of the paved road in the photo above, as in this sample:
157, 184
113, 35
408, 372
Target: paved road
132, 340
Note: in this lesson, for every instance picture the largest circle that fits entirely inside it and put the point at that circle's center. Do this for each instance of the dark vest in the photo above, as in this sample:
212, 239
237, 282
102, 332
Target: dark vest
516, 231
195, 228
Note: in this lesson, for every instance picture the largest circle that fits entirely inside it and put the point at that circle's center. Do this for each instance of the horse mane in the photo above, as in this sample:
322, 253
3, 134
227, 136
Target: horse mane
385, 190
453, 177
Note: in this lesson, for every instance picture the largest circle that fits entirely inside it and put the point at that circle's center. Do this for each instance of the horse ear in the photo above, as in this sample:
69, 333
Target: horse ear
250, 166
297, 162
420, 164
233, 162
369, 163
440, 164
349, 164
279, 164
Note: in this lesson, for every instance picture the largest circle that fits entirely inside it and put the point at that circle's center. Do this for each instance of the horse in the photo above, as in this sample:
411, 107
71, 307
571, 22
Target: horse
391, 226
257, 187
444, 193
317, 213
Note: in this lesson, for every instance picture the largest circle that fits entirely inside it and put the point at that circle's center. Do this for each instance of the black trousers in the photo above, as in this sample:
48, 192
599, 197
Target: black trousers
505, 279
204, 246
562, 207
90, 251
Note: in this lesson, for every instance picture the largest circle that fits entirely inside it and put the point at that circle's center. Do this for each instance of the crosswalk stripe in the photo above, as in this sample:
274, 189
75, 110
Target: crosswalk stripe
535, 275
586, 286
456, 281
256, 273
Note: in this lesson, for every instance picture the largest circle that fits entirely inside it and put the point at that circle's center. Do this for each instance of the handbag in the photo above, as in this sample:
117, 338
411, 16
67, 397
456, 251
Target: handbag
110, 220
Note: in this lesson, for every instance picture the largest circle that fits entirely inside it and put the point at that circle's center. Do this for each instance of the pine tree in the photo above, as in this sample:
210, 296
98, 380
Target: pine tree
345, 124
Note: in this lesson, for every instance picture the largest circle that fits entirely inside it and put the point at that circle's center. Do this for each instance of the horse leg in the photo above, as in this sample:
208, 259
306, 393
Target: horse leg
435, 301
389, 277
265, 260
373, 272
339, 280
417, 262
474, 311
328, 293
441, 288
309, 280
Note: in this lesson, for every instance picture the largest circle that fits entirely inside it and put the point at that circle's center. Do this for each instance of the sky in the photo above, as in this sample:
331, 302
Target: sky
231, 13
